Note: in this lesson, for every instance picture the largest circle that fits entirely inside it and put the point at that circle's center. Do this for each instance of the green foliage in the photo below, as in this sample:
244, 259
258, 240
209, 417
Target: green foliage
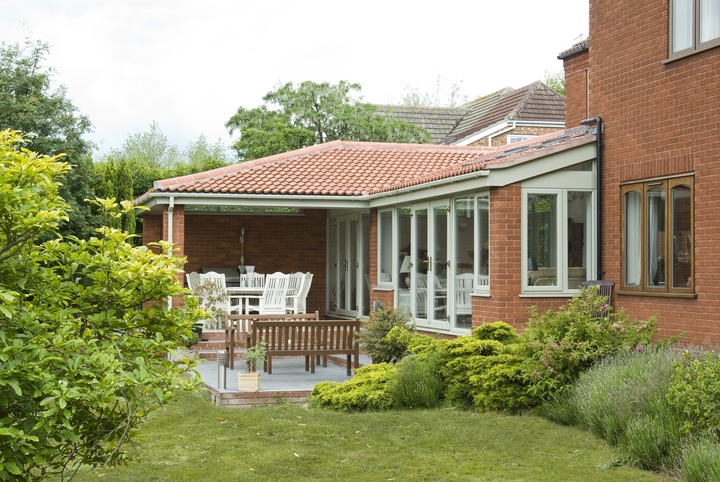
623, 400
374, 336
700, 460
497, 384
561, 344
30, 103
418, 383
556, 82
85, 331
366, 391
255, 354
695, 392
499, 331
311, 113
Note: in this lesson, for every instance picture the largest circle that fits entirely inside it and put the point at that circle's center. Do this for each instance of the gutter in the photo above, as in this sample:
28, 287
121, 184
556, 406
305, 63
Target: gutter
599, 225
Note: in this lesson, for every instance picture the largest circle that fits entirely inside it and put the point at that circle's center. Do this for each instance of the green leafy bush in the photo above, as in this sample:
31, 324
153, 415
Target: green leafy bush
367, 390
695, 392
373, 336
562, 344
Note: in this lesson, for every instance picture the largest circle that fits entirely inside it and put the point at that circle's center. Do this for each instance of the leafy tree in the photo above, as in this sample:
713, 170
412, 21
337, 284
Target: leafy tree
29, 103
437, 96
556, 82
295, 117
84, 332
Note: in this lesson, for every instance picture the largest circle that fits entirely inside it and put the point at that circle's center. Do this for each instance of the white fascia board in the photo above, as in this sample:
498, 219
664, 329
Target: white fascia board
260, 200
504, 125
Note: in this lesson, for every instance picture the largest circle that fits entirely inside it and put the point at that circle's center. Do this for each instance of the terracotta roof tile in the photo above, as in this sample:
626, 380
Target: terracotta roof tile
342, 168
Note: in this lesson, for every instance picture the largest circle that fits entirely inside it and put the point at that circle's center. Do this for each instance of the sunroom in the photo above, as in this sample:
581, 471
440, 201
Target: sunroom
454, 236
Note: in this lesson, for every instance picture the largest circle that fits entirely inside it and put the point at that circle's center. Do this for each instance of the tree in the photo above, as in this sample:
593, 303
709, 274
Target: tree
28, 103
438, 96
311, 113
85, 331
556, 82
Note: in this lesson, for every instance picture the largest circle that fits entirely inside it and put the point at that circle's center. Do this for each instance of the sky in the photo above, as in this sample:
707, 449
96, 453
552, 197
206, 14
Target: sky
189, 64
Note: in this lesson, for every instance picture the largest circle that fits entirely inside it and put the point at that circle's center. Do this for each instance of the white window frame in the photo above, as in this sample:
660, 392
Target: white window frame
512, 138
386, 242
562, 235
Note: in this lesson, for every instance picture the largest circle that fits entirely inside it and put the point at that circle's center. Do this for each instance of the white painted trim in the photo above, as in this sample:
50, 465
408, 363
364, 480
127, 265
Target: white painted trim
493, 130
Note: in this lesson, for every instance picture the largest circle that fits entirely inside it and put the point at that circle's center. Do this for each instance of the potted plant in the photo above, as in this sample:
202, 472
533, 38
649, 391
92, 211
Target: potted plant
213, 299
249, 380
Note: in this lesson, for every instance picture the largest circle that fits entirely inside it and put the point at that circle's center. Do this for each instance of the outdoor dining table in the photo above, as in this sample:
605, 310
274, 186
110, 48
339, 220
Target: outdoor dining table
245, 294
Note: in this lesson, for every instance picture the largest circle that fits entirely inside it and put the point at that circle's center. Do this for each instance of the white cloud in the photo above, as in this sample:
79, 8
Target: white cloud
188, 65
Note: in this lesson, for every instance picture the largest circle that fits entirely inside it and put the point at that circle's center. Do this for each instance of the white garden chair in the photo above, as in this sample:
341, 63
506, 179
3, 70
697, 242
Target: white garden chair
297, 303
272, 300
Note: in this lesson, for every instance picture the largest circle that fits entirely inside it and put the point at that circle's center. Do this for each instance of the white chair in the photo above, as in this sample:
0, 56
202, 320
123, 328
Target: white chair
214, 296
273, 299
294, 282
297, 303
463, 294
192, 280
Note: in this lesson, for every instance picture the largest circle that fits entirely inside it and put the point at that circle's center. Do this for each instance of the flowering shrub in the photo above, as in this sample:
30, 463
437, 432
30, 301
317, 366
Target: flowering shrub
560, 344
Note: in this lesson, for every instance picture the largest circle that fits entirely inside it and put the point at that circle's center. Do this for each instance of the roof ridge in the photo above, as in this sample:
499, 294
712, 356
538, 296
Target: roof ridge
531, 90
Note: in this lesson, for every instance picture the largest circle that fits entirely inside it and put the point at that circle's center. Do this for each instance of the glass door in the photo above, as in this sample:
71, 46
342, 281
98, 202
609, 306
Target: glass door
430, 265
347, 293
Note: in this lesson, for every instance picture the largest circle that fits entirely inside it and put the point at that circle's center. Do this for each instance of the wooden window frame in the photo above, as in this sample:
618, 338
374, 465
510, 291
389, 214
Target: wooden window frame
644, 287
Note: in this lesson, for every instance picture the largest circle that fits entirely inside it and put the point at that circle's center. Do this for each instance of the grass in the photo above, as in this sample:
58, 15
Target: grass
193, 440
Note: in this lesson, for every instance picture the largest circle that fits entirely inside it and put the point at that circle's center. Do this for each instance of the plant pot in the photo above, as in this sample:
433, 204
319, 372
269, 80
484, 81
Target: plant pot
198, 329
248, 381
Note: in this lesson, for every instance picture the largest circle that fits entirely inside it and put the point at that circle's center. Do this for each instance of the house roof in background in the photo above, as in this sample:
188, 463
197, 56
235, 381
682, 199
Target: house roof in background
342, 169
578, 47
439, 121
533, 103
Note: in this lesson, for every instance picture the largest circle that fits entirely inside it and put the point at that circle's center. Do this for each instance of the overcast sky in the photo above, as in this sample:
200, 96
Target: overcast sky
189, 64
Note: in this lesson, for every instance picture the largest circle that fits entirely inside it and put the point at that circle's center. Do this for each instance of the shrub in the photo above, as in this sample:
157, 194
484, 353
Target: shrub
417, 384
652, 440
694, 392
367, 390
498, 331
373, 337
700, 460
562, 344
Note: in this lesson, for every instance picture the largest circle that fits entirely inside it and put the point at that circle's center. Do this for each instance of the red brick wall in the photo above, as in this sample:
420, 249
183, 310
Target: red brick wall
272, 243
577, 85
660, 119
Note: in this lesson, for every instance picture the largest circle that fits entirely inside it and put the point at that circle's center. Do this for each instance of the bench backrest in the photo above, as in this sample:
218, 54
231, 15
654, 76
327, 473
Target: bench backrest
321, 337
243, 323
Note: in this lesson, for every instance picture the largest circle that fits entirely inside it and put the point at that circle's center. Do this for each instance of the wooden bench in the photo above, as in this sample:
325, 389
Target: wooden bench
311, 339
237, 325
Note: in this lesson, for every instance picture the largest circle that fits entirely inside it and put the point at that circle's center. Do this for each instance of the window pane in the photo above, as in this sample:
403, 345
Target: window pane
385, 247
681, 229
464, 235
405, 260
578, 217
655, 229
709, 20
682, 20
542, 238
483, 241
633, 233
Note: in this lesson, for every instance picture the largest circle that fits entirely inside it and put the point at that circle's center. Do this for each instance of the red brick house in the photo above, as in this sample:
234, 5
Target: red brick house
657, 93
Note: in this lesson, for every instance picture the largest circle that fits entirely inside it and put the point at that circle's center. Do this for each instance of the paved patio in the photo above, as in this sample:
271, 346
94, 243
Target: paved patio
289, 381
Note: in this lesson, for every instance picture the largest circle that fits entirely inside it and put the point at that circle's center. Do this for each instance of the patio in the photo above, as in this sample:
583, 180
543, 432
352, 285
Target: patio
289, 381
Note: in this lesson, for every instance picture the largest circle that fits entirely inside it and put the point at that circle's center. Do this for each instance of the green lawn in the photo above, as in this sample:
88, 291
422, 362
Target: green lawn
196, 441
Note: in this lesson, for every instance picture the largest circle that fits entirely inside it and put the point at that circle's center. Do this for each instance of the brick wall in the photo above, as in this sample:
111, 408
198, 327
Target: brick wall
661, 118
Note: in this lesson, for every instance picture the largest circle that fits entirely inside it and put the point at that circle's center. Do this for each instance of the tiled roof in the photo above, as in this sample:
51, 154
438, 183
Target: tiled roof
342, 168
335, 168
534, 102
439, 121
578, 47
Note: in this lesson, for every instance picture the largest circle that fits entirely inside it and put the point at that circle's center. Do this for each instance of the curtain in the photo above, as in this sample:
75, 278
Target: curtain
709, 20
632, 238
